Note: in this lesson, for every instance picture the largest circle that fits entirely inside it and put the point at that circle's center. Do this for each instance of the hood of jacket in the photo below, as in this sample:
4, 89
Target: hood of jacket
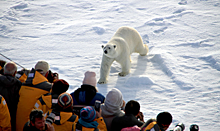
50, 99
62, 117
109, 112
35, 79
113, 103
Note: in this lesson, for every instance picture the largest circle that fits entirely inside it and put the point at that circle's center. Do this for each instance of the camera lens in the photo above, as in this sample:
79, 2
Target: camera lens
50, 118
179, 127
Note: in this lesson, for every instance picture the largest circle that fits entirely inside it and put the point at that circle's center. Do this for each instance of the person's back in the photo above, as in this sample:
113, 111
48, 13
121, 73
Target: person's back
35, 85
64, 120
63, 115
48, 101
87, 94
132, 110
9, 89
5, 123
112, 106
161, 123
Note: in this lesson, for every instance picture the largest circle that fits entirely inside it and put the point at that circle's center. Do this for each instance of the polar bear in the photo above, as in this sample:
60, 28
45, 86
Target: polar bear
124, 42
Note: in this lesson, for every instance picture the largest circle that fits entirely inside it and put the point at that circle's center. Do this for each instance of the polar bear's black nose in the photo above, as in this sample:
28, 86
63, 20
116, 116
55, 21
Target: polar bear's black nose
105, 52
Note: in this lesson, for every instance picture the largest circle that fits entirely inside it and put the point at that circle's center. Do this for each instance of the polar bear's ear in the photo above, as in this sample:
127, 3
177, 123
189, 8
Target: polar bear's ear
102, 46
114, 46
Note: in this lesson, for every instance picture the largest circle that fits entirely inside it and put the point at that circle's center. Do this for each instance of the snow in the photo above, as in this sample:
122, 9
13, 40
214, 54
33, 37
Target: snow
180, 74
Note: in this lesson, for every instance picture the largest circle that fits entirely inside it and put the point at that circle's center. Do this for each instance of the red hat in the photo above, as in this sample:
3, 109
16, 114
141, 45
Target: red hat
65, 100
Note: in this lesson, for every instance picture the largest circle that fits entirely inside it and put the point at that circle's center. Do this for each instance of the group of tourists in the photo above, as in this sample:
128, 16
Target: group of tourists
37, 100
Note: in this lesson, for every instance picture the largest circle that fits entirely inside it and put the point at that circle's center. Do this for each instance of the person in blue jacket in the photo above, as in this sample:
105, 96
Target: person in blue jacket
88, 93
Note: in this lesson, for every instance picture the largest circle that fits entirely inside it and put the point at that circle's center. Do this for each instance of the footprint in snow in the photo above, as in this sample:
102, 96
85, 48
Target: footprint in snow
182, 2
99, 30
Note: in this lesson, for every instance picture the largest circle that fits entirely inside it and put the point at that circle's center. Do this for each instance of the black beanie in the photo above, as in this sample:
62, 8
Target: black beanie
60, 86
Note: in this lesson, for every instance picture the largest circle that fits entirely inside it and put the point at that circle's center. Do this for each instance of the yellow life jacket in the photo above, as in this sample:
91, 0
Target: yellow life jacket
35, 86
22, 75
84, 128
46, 102
5, 119
152, 125
100, 127
64, 120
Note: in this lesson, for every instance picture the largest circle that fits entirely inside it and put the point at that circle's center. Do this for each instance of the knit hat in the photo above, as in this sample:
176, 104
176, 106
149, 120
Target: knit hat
60, 86
65, 100
88, 114
114, 99
90, 78
43, 66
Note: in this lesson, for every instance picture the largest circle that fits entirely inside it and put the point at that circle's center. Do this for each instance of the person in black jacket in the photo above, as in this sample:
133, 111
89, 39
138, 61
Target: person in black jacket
132, 113
161, 123
9, 89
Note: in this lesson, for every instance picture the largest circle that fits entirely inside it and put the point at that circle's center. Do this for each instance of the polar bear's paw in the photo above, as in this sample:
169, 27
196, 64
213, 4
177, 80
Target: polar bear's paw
122, 73
102, 81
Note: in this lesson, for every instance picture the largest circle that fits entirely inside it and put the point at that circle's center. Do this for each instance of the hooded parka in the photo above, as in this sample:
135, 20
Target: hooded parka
46, 102
35, 86
64, 121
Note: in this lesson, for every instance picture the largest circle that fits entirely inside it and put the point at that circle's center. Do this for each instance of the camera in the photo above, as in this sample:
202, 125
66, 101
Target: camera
97, 105
51, 118
194, 127
52, 76
179, 127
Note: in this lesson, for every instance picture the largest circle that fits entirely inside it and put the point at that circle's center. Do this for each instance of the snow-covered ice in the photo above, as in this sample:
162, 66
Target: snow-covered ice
181, 73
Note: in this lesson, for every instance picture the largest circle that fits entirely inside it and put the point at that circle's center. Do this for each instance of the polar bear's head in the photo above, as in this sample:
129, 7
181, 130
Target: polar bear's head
109, 50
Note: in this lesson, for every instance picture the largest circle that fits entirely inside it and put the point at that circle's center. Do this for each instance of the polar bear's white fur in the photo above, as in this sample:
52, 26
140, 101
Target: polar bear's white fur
125, 41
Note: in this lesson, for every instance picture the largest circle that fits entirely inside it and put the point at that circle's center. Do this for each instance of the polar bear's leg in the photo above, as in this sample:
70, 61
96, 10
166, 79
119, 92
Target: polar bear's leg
143, 50
125, 66
105, 69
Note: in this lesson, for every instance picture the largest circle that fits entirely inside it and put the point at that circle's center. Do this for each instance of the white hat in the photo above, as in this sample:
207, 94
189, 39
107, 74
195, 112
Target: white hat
114, 98
90, 78
42, 65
